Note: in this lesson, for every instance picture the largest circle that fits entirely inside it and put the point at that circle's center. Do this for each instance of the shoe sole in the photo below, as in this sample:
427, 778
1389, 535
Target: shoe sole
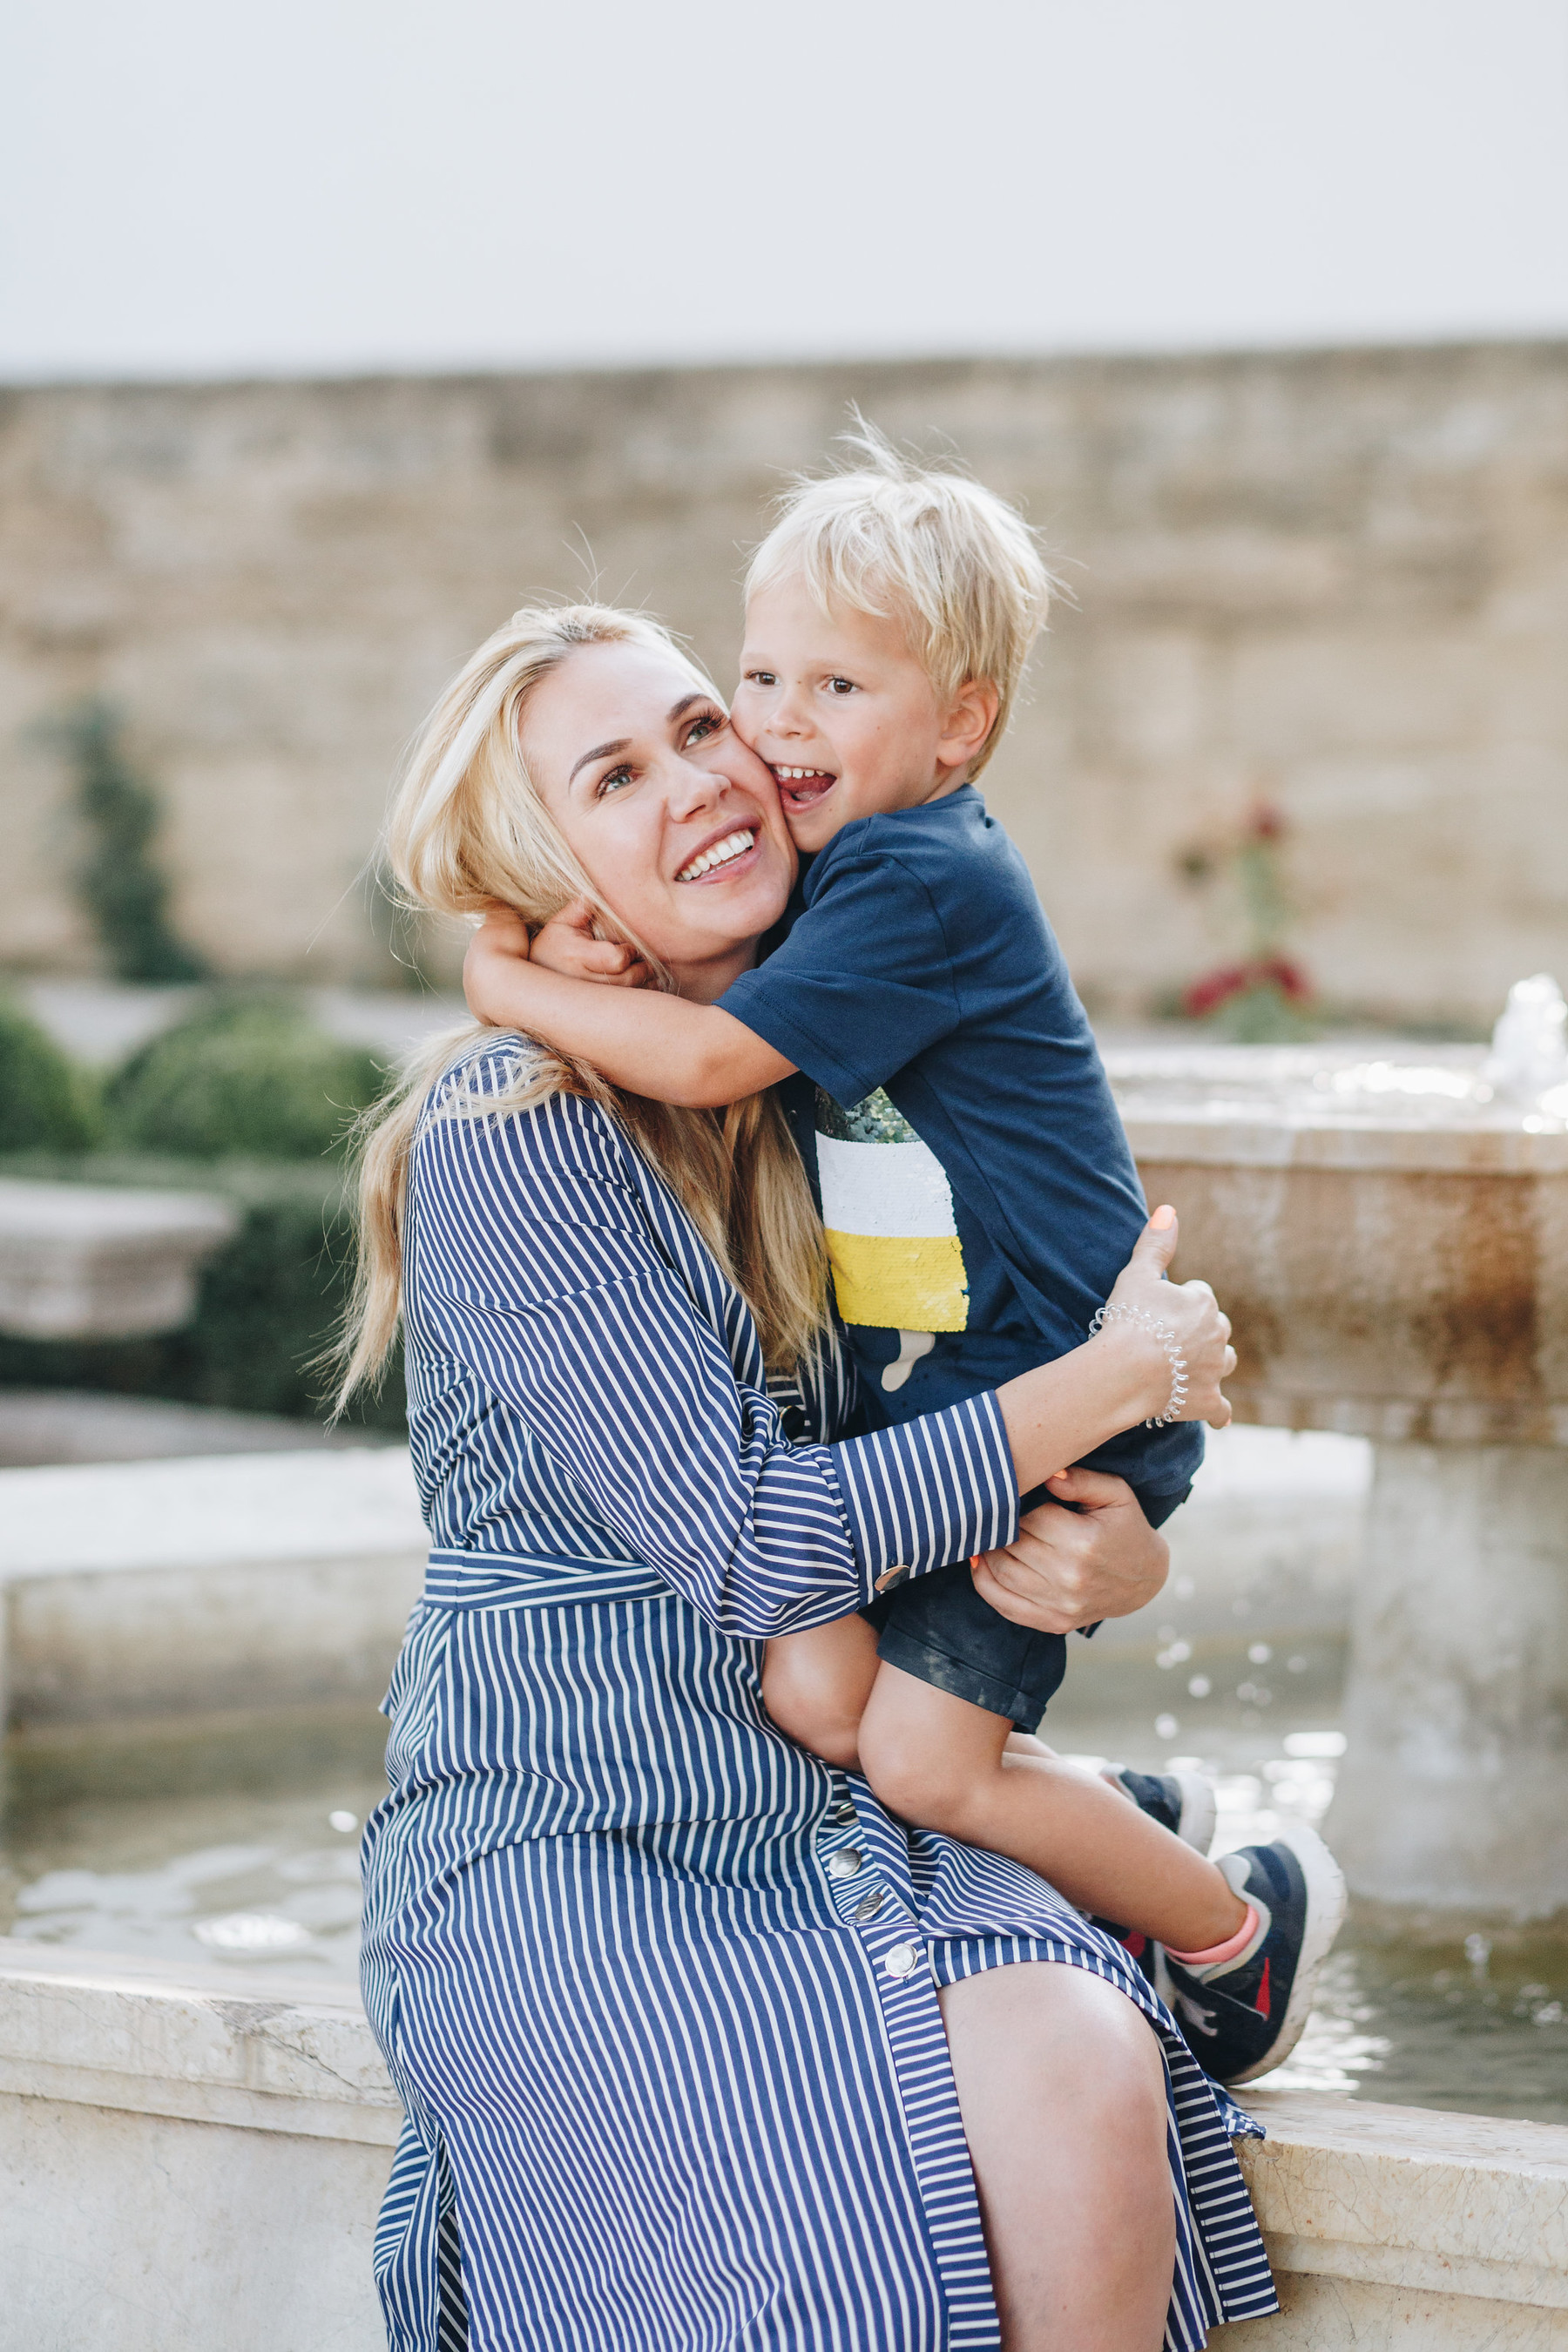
1326, 1901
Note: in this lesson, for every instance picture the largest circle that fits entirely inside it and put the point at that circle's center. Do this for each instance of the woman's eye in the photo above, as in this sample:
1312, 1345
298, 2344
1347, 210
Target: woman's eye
614, 780
708, 723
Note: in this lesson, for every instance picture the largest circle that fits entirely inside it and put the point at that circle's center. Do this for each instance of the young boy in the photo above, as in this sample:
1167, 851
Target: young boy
976, 1187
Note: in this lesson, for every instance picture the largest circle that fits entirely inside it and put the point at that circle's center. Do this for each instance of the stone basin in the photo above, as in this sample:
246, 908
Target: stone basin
1391, 1241
95, 1261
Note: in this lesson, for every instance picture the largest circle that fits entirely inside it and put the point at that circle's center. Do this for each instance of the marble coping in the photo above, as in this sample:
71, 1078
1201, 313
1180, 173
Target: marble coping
141, 1589
1232, 1132
1397, 2198
93, 1519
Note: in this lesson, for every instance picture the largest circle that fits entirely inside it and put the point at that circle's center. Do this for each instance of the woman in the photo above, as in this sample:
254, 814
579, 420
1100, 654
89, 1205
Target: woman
698, 2047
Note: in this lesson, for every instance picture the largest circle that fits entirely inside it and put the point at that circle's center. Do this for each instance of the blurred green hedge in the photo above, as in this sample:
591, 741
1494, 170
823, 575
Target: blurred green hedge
46, 1103
267, 1302
246, 1076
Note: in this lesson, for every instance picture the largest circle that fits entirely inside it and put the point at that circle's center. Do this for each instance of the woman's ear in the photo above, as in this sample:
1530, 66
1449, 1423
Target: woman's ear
969, 720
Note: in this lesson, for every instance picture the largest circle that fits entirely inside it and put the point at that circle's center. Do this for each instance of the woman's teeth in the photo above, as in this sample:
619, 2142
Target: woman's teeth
734, 845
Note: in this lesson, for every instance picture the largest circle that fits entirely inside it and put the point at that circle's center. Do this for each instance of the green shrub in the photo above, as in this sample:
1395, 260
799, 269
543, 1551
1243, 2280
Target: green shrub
247, 1076
46, 1103
267, 1302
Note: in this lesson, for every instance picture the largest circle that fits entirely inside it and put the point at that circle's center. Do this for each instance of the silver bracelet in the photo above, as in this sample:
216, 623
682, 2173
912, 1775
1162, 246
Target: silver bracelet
1163, 1333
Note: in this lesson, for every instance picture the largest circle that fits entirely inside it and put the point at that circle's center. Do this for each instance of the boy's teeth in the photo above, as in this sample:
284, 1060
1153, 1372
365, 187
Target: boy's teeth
734, 845
799, 775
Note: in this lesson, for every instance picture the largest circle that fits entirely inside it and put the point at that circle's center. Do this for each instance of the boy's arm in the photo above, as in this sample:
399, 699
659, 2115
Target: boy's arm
653, 1045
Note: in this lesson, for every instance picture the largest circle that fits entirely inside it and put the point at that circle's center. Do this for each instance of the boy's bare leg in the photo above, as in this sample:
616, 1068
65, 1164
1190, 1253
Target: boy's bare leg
948, 1766
815, 1685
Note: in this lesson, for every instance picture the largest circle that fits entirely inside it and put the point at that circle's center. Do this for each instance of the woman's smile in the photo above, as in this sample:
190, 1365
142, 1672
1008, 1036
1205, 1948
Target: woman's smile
731, 852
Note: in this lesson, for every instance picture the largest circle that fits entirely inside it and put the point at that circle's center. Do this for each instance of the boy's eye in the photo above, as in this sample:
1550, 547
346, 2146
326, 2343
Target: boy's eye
840, 685
761, 677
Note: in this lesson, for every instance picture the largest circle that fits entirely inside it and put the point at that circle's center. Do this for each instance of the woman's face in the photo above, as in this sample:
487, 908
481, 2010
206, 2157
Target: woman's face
676, 824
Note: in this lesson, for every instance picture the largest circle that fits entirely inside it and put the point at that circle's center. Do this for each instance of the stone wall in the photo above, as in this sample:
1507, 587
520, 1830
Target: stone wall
1335, 580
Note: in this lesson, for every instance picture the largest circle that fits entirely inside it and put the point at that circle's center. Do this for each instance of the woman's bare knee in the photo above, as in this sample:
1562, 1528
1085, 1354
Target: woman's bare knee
1061, 2085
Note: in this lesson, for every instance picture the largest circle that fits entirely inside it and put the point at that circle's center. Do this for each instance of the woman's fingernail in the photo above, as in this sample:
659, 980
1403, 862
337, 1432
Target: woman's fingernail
1163, 1218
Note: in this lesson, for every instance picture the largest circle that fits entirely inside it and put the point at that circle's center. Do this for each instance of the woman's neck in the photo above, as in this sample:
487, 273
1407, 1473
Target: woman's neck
705, 982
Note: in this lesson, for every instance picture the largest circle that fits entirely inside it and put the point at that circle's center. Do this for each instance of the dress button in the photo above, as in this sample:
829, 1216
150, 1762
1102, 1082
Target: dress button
902, 1961
869, 1905
842, 1813
844, 1865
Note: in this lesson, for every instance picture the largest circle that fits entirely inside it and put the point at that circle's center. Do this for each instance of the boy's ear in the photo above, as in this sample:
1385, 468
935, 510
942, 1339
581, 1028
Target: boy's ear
970, 718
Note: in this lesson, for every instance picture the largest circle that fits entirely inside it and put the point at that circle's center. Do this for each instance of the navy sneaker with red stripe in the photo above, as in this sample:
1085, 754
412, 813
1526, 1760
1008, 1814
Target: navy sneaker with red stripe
1243, 2016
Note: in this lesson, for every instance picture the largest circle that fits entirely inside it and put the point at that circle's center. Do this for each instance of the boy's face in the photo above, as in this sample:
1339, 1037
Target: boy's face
842, 713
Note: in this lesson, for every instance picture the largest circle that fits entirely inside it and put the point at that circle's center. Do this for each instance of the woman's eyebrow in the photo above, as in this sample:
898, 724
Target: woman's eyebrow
601, 751
610, 751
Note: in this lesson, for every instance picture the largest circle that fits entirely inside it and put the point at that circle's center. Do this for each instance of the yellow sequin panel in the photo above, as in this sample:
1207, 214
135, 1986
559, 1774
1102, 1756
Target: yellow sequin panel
901, 1284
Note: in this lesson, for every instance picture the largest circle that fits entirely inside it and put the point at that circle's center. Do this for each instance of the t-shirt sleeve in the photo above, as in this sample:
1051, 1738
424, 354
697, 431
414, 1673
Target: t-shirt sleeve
863, 983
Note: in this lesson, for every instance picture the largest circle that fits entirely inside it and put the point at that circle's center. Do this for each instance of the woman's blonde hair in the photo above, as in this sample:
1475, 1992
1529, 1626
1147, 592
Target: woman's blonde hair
468, 827
957, 567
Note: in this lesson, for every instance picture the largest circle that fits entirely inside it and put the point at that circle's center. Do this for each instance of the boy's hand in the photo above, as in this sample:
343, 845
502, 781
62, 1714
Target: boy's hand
496, 948
566, 944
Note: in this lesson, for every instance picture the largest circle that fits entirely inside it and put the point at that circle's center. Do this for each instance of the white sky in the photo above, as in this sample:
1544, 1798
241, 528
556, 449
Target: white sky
195, 188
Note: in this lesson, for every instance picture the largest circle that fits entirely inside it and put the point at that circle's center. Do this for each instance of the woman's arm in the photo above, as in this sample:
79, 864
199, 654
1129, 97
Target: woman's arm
553, 1263
1062, 1410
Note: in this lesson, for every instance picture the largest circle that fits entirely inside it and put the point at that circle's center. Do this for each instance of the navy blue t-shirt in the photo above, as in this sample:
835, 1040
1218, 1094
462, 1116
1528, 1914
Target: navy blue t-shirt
973, 1174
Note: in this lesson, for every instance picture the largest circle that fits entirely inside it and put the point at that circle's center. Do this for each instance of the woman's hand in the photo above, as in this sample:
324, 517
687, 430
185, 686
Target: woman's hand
1191, 1313
1066, 1568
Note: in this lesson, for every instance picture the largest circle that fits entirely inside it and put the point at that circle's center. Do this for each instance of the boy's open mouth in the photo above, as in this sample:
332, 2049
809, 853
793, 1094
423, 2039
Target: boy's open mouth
724, 852
801, 788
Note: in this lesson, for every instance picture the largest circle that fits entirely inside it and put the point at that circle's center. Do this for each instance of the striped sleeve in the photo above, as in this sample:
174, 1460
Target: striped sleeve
930, 1490
537, 1267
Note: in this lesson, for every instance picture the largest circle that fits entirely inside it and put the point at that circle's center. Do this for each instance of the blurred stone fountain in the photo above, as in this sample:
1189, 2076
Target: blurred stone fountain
1390, 1236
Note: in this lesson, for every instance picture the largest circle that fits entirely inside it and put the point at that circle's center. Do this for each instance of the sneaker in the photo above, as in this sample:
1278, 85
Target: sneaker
1182, 1802
1243, 2017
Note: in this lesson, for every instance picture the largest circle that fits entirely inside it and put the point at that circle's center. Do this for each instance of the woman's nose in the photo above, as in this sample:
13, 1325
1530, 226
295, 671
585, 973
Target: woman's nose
693, 787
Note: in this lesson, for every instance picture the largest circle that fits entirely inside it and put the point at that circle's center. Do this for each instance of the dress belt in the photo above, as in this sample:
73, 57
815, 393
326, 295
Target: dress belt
470, 1580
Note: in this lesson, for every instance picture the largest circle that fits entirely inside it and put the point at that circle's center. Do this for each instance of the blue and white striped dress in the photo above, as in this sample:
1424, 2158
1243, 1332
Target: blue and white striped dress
657, 1987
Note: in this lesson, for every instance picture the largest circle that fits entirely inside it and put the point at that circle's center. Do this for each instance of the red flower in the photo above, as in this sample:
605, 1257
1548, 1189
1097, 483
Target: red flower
1207, 993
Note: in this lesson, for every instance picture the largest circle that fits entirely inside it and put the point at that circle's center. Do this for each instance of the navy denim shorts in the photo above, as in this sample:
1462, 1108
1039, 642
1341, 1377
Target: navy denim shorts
937, 1629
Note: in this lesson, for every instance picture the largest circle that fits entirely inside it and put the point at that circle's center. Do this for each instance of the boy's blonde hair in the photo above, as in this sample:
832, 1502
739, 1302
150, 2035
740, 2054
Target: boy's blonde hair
954, 564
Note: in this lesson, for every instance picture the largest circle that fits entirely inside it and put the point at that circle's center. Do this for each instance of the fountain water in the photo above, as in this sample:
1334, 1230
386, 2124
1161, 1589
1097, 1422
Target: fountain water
1391, 1238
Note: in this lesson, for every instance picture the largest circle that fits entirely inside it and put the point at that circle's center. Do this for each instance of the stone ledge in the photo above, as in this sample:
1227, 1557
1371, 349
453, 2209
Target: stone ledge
1407, 2205
200, 2044
1412, 2198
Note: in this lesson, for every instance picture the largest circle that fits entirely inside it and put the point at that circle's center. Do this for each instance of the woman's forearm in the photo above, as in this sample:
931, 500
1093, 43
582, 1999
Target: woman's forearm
1062, 1410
